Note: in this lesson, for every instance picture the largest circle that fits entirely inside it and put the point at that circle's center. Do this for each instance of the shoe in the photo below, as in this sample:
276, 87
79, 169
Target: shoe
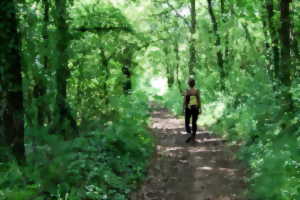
189, 139
193, 138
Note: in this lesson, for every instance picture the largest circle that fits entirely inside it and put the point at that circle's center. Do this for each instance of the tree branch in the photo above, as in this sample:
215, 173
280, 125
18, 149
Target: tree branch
177, 14
104, 29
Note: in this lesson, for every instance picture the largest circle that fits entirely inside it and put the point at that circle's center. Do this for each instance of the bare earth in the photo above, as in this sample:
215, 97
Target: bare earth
204, 170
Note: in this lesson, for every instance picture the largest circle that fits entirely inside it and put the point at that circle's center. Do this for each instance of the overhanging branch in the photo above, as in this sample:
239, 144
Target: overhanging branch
104, 29
177, 14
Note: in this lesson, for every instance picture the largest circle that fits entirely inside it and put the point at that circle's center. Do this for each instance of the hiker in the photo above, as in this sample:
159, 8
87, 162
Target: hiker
192, 108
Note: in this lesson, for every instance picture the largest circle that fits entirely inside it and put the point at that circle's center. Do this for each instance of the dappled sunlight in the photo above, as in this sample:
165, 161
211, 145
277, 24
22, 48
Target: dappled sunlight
80, 79
213, 140
203, 150
206, 168
192, 171
228, 171
164, 148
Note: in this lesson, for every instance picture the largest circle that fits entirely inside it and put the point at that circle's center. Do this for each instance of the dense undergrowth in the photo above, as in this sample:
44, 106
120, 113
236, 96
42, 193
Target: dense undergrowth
105, 162
269, 139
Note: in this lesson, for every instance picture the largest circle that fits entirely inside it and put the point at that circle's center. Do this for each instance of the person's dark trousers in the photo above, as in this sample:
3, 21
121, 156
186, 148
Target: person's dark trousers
193, 113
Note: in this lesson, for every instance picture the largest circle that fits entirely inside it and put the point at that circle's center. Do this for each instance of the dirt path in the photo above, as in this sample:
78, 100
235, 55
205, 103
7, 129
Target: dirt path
204, 170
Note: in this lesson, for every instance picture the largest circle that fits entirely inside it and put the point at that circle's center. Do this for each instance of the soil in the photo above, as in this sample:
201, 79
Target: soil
202, 170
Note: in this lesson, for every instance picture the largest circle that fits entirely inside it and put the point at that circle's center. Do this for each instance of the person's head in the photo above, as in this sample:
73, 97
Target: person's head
191, 82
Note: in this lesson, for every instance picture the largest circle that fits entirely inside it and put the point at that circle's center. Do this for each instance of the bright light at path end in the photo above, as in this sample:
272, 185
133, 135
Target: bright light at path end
160, 85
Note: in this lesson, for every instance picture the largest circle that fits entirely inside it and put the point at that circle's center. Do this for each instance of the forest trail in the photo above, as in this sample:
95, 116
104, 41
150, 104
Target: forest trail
204, 170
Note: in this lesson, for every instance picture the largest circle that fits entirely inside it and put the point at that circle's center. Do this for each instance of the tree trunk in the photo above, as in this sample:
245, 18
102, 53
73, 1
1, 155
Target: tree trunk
105, 63
39, 90
170, 76
11, 80
274, 37
126, 68
127, 86
224, 20
285, 75
176, 49
285, 30
217, 44
295, 46
65, 120
170, 71
295, 38
268, 49
192, 62
43, 109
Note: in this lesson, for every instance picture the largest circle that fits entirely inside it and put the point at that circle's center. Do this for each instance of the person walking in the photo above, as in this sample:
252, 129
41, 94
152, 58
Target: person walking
192, 108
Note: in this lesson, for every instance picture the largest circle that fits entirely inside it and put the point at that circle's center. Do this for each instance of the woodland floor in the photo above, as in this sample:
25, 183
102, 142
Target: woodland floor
203, 170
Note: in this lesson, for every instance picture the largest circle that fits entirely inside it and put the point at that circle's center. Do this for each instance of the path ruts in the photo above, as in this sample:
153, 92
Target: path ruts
204, 170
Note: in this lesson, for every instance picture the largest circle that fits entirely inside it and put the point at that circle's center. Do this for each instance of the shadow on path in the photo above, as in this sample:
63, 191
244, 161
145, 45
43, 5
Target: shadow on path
204, 170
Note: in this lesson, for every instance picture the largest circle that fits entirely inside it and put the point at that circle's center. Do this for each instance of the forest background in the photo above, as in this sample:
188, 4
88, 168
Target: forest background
77, 78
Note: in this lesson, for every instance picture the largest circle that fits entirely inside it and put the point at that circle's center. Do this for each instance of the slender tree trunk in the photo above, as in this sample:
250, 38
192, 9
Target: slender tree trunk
127, 86
43, 109
45, 32
248, 35
176, 49
217, 44
105, 63
274, 37
295, 45
126, 68
65, 119
170, 71
265, 31
226, 43
170, 76
39, 90
285, 30
268, 49
295, 38
11, 80
192, 62
285, 75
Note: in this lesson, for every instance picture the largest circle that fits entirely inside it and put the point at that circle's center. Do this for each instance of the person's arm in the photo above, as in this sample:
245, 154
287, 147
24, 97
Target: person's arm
184, 100
199, 101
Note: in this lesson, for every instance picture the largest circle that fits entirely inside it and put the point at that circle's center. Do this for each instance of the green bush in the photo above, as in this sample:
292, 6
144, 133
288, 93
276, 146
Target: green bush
101, 164
269, 139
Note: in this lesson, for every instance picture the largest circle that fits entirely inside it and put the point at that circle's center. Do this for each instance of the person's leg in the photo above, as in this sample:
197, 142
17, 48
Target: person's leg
187, 120
194, 113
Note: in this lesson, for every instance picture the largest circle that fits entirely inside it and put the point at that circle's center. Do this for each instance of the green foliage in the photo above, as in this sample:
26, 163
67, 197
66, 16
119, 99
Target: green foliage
95, 14
108, 157
100, 164
269, 142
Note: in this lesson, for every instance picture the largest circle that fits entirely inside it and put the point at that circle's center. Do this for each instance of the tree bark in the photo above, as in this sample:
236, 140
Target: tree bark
274, 37
11, 79
285, 75
126, 69
295, 45
170, 76
224, 20
176, 49
192, 62
62, 73
39, 90
217, 44
105, 62
295, 38
285, 30
170, 71
127, 64
268, 49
